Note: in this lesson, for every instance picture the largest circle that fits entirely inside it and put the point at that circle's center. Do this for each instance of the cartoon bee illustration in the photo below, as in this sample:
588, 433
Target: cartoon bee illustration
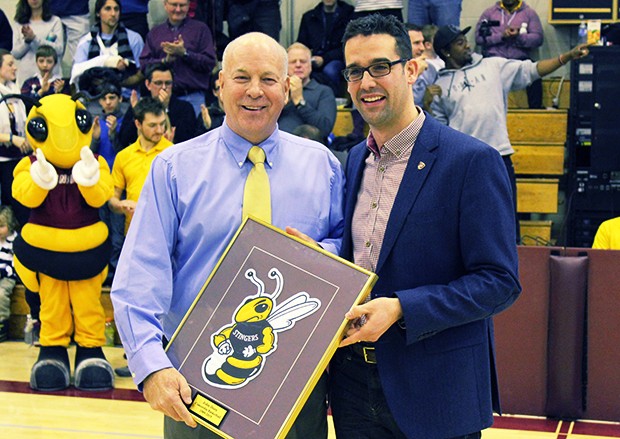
239, 349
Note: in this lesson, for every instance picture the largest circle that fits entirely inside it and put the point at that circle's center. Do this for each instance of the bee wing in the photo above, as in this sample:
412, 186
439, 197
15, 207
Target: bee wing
295, 308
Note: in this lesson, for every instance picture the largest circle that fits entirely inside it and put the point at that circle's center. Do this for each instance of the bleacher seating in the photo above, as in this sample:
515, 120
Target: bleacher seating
538, 137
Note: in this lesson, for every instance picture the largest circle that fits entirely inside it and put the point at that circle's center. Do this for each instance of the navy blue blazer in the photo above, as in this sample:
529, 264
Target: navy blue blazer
449, 255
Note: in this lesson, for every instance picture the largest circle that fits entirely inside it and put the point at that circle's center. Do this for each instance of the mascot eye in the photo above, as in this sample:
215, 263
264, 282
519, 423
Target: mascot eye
84, 120
37, 128
261, 308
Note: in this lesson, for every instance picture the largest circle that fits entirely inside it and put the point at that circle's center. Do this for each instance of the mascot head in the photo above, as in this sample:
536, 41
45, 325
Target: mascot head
60, 125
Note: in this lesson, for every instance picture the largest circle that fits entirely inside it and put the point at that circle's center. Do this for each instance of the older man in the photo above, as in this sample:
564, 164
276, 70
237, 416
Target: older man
190, 208
310, 103
187, 44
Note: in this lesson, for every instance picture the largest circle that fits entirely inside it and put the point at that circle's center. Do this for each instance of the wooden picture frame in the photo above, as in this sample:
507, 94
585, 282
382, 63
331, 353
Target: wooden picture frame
262, 330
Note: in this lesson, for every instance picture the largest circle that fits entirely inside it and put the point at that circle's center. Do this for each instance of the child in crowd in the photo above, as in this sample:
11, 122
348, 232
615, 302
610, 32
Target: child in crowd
45, 82
429, 31
8, 233
109, 113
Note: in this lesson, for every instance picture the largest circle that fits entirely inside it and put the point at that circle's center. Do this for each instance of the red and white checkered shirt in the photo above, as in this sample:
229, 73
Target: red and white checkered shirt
383, 173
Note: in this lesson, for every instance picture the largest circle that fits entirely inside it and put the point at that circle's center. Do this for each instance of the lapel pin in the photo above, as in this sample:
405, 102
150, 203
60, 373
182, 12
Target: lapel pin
421, 166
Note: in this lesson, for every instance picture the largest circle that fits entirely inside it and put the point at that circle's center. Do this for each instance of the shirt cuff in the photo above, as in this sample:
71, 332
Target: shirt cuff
147, 360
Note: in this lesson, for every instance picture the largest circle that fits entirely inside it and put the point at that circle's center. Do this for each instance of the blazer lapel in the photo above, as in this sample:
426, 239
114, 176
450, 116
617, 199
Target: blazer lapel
416, 172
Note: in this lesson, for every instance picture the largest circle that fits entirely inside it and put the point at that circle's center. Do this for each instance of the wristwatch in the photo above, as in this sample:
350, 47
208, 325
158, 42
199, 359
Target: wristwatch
301, 103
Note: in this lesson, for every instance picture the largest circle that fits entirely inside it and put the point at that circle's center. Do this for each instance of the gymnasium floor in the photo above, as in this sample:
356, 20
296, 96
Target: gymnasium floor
122, 413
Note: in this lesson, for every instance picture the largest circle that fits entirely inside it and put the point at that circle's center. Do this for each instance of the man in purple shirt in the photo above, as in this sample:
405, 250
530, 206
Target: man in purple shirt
187, 44
511, 29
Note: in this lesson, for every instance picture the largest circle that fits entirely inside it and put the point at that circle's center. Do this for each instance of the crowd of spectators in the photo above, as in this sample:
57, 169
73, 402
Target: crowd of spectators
119, 60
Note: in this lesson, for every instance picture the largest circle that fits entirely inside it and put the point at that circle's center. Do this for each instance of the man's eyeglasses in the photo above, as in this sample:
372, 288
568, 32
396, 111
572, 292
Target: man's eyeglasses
376, 70
168, 84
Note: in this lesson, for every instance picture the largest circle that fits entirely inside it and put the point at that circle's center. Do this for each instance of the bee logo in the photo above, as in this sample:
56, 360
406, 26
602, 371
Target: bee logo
239, 348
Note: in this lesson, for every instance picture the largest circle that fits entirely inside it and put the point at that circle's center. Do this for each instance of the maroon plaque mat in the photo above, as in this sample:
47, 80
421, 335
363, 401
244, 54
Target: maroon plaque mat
262, 330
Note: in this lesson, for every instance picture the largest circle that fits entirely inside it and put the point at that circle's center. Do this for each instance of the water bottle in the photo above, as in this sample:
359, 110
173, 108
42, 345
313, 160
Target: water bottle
109, 333
28, 335
582, 33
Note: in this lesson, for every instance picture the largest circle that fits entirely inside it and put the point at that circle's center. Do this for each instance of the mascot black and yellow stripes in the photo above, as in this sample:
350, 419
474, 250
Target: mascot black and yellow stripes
63, 250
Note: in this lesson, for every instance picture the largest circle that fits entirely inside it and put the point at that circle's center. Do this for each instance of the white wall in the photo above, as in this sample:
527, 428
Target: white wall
557, 38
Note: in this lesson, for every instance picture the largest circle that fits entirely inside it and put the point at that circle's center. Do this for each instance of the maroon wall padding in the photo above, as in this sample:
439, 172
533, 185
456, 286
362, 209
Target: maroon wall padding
603, 395
565, 363
521, 338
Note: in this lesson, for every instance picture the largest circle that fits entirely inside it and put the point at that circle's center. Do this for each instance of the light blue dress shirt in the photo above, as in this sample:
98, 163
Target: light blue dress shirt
189, 210
427, 78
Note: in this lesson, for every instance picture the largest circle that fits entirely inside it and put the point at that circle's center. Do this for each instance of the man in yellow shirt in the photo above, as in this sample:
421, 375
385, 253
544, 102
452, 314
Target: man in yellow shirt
608, 235
132, 164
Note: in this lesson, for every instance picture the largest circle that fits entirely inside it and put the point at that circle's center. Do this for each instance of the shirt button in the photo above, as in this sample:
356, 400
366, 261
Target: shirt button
382, 169
367, 244
373, 205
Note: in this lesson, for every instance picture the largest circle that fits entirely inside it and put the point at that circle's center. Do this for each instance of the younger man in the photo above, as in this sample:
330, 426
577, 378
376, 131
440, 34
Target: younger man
159, 83
422, 365
133, 163
45, 82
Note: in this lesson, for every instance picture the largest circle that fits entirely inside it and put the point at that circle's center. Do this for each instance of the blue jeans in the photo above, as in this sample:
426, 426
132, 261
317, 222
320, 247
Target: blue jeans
359, 408
439, 12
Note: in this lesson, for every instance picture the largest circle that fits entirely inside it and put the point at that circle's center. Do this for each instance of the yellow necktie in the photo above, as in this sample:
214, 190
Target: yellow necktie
257, 195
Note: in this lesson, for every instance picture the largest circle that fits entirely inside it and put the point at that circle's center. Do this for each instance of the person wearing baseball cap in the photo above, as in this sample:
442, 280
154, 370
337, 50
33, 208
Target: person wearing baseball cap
446, 34
474, 97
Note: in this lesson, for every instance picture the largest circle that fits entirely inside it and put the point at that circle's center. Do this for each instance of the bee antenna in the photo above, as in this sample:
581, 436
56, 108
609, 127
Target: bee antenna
274, 273
250, 274
28, 99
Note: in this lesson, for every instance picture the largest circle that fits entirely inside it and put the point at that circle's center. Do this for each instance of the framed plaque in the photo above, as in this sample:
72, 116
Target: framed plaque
263, 329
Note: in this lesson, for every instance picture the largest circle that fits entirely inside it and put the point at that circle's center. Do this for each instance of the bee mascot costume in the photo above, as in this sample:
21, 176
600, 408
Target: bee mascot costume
63, 250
